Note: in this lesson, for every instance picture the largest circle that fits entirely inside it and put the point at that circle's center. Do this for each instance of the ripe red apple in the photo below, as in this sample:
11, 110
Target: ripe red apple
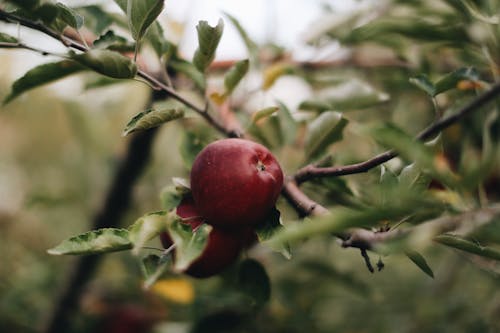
235, 183
222, 248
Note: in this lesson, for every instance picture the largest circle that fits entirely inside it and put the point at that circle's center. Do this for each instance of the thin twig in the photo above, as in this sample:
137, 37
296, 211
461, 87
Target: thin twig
368, 262
6, 45
311, 171
69, 42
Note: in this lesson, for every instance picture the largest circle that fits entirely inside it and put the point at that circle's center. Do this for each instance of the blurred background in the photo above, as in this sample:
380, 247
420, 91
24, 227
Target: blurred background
60, 146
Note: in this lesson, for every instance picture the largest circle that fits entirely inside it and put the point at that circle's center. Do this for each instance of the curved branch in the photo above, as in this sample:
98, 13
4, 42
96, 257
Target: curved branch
300, 201
311, 171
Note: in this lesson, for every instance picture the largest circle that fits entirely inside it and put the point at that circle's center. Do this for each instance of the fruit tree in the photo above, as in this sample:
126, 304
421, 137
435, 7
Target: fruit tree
353, 192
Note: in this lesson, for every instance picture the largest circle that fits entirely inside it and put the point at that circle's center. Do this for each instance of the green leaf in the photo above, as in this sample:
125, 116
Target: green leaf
463, 244
476, 13
172, 195
156, 38
276, 131
146, 228
388, 185
264, 113
326, 129
412, 177
337, 221
422, 81
149, 264
151, 118
408, 148
268, 131
5, 38
188, 69
141, 14
234, 75
350, 95
287, 124
251, 46
26, 4
338, 24
254, 282
47, 12
96, 19
451, 80
192, 143
100, 81
95, 242
208, 40
391, 30
189, 244
70, 16
153, 267
111, 41
107, 63
420, 261
478, 170
390, 136
268, 228
41, 75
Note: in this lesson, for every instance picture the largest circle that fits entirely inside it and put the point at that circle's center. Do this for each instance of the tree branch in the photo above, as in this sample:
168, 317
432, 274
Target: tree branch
311, 171
300, 201
115, 206
157, 84
461, 224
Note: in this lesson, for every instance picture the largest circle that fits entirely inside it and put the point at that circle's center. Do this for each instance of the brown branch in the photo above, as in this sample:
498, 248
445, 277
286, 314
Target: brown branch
311, 171
461, 224
114, 208
300, 201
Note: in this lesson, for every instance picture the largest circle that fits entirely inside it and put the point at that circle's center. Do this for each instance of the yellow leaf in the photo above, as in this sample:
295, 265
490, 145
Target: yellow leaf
271, 74
468, 85
218, 98
175, 290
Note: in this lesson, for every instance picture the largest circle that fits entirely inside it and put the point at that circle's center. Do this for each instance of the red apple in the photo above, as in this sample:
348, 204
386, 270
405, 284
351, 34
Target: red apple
222, 248
235, 183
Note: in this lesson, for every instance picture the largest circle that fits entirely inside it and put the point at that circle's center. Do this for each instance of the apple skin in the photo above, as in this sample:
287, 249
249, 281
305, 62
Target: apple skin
235, 183
222, 249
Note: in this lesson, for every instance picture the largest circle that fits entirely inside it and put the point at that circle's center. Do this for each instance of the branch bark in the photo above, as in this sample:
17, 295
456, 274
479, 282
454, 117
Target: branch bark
115, 206
311, 171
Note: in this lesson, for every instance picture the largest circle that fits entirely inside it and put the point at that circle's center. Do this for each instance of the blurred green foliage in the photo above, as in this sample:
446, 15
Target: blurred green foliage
408, 63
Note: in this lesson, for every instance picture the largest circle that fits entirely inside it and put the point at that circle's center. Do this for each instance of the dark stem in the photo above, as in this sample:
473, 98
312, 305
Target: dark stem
368, 262
115, 205
311, 171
